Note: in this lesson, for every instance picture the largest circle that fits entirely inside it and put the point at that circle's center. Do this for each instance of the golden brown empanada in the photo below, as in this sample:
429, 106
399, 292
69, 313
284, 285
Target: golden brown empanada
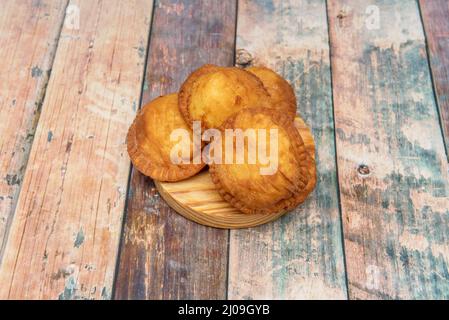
281, 92
243, 185
149, 144
211, 94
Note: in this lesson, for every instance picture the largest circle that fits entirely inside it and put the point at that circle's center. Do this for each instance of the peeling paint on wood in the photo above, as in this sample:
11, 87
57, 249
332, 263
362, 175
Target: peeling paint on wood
396, 217
36, 72
69, 213
23, 45
392, 165
79, 240
299, 256
165, 256
49, 136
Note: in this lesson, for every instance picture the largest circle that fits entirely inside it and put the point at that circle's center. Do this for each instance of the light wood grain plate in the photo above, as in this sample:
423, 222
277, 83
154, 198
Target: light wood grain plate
197, 199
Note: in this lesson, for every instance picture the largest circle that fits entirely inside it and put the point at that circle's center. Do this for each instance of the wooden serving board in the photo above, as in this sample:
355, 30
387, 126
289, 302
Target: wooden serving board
197, 199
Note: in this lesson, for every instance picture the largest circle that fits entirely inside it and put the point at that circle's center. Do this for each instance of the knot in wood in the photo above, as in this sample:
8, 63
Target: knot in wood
243, 58
341, 15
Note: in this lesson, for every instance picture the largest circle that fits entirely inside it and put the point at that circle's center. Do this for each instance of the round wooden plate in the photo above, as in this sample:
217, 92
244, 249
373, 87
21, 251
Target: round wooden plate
197, 199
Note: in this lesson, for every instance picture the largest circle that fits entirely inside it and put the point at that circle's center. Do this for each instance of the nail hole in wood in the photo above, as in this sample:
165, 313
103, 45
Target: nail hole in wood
363, 170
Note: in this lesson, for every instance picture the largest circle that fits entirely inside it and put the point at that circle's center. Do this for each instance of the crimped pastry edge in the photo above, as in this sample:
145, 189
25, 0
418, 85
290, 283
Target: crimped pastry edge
143, 164
307, 164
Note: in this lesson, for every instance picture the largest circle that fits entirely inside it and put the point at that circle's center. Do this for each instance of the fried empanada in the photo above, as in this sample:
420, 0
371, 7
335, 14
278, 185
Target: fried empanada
243, 185
281, 92
211, 94
149, 143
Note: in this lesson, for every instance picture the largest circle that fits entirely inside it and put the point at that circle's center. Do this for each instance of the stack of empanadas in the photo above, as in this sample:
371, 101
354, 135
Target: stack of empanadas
240, 123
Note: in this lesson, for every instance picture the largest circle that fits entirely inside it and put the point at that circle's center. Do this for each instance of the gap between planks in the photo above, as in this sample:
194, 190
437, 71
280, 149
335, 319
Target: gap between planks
434, 16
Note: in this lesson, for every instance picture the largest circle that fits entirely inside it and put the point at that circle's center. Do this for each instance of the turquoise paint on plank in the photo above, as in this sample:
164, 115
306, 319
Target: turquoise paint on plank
301, 254
390, 92
79, 239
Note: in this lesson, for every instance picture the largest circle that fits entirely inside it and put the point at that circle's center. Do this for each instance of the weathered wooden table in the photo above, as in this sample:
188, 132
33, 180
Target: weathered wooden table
77, 223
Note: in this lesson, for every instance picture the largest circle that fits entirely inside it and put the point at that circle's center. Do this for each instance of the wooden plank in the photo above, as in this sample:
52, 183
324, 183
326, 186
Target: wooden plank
165, 256
28, 35
299, 256
64, 239
393, 171
435, 16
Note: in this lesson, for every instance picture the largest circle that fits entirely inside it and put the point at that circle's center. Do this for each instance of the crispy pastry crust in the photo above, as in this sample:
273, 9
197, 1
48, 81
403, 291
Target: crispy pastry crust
186, 88
281, 92
253, 92
149, 154
306, 169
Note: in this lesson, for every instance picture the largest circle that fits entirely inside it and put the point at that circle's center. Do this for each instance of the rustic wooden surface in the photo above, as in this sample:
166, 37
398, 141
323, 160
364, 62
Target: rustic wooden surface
435, 16
198, 200
157, 261
64, 206
299, 256
393, 172
64, 237
28, 36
